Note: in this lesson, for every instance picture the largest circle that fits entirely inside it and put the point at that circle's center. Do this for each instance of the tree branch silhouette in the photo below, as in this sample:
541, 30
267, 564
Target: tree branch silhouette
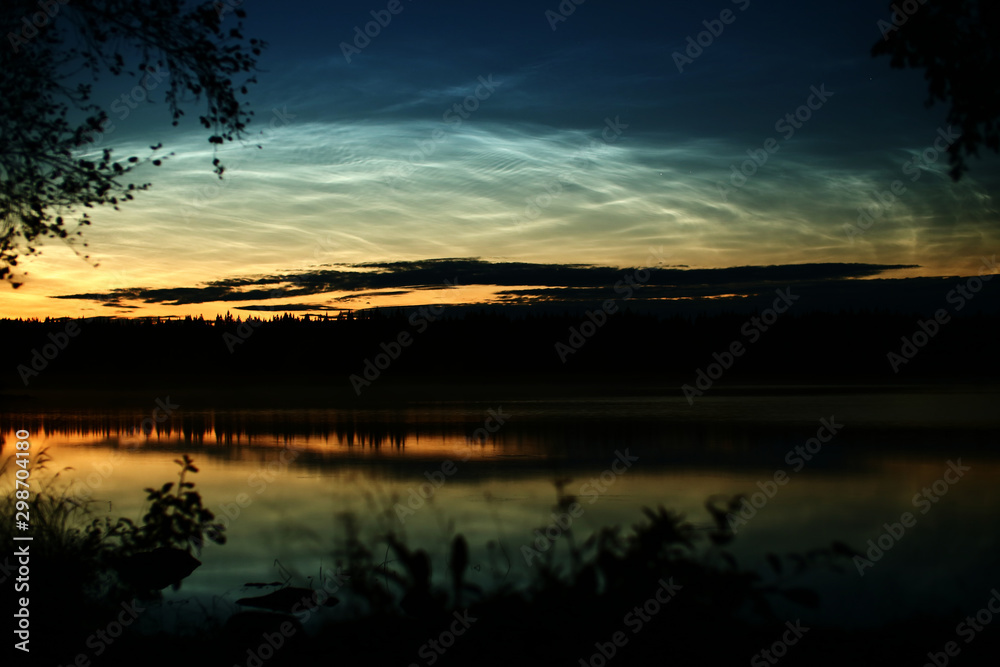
53, 55
954, 41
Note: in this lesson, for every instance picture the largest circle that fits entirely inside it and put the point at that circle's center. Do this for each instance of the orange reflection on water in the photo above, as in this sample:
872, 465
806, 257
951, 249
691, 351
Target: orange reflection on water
280, 495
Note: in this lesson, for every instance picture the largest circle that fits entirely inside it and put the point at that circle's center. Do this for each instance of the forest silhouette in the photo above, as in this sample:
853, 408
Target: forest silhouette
319, 362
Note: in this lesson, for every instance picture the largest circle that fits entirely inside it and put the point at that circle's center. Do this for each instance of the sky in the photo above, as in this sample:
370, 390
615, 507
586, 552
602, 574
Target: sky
530, 139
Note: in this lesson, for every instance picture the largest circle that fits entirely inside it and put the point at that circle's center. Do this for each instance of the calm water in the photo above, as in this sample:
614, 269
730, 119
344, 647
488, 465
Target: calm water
281, 478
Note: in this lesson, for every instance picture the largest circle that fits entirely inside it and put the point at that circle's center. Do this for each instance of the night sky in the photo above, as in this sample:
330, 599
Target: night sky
511, 133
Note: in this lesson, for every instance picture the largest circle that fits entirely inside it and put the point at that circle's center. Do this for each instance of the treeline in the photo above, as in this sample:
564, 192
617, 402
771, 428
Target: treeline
489, 345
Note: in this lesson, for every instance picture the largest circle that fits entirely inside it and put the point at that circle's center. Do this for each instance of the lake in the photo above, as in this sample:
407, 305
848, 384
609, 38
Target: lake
818, 464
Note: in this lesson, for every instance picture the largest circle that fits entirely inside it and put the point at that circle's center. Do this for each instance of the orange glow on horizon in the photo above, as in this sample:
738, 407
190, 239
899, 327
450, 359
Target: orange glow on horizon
54, 276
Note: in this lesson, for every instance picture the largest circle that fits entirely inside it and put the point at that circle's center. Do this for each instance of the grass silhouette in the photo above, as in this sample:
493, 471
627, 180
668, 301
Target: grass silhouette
665, 591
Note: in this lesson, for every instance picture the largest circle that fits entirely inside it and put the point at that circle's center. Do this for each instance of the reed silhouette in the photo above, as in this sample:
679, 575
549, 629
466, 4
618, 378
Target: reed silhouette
714, 611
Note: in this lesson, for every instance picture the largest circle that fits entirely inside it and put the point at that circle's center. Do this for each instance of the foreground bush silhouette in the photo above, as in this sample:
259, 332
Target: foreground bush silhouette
666, 592
604, 586
86, 569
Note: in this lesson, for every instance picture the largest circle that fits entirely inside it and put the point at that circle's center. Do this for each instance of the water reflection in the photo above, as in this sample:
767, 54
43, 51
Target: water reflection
279, 479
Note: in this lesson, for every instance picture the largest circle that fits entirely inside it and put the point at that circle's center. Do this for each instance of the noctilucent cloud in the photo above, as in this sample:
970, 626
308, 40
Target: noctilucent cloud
686, 134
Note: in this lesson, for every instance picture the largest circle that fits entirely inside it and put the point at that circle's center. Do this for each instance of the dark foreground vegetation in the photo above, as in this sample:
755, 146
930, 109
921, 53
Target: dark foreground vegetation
664, 592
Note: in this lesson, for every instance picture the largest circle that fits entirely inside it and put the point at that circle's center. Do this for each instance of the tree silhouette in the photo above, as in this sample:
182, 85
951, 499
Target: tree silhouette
955, 42
54, 52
